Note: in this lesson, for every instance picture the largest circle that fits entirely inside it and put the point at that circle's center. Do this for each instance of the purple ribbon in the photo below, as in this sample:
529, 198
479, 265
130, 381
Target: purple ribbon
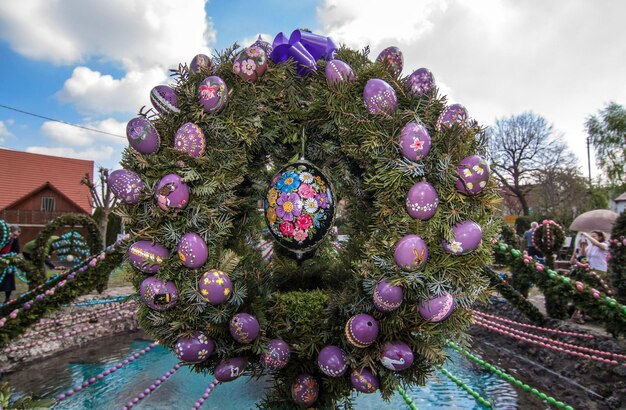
304, 47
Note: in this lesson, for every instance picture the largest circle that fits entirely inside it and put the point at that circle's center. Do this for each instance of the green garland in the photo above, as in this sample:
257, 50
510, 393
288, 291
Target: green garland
592, 301
83, 283
505, 376
67, 221
514, 297
480, 399
617, 263
258, 132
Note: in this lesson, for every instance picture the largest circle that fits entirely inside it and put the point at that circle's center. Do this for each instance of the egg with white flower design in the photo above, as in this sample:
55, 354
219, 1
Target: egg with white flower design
195, 348
467, 237
473, 175
299, 207
251, 63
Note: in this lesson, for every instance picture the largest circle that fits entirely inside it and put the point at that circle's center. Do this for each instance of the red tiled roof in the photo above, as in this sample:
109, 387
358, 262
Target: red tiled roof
21, 173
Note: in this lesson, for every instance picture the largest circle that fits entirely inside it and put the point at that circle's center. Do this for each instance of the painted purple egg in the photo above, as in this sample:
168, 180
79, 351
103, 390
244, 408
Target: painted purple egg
338, 71
157, 294
414, 141
213, 94
387, 297
361, 330
164, 100
215, 286
126, 185
172, 192
420, 82
332, 361
396, 356
437, 309
473, 174
277, 355
250, 63
422, 201
194, 349
305, 390
142, 135
411, 253
147, 256
379, 97
230, 369
454, 114
467, 236
393, 59
200, 62
192, 250
244, 327
364, 380
190, 139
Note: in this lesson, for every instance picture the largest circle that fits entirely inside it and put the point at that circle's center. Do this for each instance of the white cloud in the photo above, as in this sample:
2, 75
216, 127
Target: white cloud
74, 136
4, 131
500, 57
143, 37
98, 153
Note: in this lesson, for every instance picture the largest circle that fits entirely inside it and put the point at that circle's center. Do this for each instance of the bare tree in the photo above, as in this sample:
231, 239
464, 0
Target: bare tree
101, 198
523, 150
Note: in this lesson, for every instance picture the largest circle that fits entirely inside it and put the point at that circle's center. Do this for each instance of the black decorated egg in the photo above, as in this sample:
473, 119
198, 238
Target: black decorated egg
299, 207
142, 135
200, 62
394, 60
126, 185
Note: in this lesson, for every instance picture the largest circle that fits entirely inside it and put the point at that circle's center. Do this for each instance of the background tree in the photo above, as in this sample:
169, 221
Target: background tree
607, 132
524, 150
102, 199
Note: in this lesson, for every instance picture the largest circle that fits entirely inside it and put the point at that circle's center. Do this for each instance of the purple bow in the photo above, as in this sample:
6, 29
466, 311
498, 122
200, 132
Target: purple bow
304, 47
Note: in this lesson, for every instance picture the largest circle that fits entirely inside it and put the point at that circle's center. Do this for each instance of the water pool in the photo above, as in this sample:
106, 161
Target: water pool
51, 377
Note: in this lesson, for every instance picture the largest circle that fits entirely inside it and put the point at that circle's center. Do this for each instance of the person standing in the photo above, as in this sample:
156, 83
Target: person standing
7, 285
528, 236
596, 251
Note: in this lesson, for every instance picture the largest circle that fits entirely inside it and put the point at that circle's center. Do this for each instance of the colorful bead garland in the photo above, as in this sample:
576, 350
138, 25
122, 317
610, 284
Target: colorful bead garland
406, 398
151, 388
481, 400
543, 329
509, 378
205, 396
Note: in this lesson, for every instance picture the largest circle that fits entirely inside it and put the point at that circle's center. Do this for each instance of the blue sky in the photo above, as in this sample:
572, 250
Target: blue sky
93, 63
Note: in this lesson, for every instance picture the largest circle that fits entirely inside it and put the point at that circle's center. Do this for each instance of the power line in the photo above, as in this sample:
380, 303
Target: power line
60, 121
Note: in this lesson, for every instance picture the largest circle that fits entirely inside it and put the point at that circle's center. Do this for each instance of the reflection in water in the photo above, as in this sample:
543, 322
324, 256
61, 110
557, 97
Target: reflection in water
54, 376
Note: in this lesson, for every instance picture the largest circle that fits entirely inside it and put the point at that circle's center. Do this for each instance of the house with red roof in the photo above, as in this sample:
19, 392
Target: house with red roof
35, 189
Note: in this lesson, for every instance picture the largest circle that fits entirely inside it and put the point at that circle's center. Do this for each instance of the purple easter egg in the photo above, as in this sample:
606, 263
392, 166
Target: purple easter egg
215, 286
414, 141
364, 380
164, 100
394, 60
411, 253
213, 94
420, 82
157, 294
467, 236
437, 309
250, 63
277, 355
147, 256
190, 139
332, 361
454, 114
230, 369
172, 192
200, 62
361, 330
379, 97
338, 71
192, 250
422, 201
387, 297
305, 389
126, 185
396, 356
142, 136
244, 327
473, 174
194, 349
